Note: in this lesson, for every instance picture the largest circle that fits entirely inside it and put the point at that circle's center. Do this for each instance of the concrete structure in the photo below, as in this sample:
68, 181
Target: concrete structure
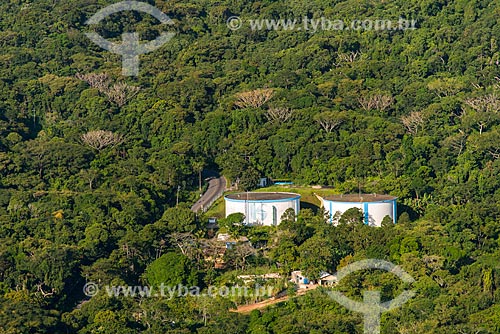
327, 279
299, 279
262, 182
374, 207
262, 208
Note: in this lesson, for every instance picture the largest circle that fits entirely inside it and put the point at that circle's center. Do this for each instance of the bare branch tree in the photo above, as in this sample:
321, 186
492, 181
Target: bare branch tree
187, 243
477, 86
486, 108
182, 240
457, 141
347, 57
99, 81
487, 103
378, 102
101, 139
413, 122
39, 288
495, 153
254, 98
497, 85
330, 120
279, 114
119, 93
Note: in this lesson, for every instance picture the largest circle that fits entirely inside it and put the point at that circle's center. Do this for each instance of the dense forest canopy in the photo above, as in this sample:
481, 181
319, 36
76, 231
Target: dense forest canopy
91, 162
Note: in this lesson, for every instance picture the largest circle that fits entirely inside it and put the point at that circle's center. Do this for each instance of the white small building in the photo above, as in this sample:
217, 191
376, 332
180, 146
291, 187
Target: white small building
262, 182
299, 279
262, 208
375, 207
327, 279
324, 279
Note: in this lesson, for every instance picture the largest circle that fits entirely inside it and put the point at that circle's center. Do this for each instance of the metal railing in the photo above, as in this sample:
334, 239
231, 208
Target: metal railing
206, 206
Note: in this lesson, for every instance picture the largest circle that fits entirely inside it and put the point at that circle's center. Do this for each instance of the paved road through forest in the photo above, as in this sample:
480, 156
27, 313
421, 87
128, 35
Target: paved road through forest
216, 186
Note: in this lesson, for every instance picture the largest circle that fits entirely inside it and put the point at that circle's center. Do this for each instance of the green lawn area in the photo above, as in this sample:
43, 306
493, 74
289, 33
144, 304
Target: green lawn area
218, 209
308, 199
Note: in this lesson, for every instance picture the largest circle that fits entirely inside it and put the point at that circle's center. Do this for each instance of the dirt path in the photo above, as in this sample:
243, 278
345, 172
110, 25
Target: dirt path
270, 301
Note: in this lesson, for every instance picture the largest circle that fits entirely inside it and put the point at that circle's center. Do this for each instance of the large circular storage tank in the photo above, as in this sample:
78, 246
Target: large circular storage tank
262, 208
374, 207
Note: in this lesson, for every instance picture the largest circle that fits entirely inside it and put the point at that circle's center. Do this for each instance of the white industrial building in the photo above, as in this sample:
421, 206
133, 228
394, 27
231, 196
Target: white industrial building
262, 208
374, 207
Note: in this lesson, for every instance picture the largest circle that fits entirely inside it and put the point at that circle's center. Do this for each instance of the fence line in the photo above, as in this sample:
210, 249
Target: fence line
206, 206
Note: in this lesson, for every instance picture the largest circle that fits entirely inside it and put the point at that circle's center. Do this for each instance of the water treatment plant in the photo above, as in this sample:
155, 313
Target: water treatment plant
374, 207
262, 208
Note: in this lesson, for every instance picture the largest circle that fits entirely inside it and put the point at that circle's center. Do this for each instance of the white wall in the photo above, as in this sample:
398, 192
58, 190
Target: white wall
261, 212
376, 210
